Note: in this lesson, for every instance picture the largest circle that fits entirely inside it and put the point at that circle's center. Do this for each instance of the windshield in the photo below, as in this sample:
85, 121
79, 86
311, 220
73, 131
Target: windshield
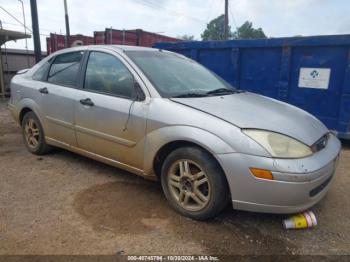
176, 76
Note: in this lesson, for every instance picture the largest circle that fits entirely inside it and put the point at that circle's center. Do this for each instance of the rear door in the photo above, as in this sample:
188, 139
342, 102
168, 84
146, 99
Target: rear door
108, 121
58, 97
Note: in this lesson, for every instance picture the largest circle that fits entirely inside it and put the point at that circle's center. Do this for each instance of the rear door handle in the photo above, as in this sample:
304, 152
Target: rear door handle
44, 90
86, 102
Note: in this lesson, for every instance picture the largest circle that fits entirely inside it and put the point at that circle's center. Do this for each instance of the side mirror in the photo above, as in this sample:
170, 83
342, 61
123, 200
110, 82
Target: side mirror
138, 93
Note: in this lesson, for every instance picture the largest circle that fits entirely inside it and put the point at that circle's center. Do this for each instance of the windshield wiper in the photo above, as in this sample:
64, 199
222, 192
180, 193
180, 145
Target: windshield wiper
190, 95
221, 91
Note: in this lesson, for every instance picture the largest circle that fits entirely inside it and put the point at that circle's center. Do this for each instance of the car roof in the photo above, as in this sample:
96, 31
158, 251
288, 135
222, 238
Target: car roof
132, 48
108, 47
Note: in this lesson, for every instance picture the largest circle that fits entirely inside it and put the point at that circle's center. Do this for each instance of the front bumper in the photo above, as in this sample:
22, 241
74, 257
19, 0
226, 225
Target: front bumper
298, 183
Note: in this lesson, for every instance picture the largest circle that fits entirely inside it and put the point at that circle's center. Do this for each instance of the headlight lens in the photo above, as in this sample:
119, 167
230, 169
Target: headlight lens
279, 145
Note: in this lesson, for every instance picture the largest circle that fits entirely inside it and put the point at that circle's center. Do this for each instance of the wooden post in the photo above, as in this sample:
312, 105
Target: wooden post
2, 84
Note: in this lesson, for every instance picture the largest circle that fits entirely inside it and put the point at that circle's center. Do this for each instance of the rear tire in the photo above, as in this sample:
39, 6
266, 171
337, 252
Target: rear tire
194, 183
33, 135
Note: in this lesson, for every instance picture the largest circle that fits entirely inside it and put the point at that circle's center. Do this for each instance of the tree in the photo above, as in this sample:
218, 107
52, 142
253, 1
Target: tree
215, 29
246, 31
186, 37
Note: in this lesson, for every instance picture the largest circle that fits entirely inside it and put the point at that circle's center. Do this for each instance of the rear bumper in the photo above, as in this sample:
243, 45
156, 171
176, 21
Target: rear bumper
298, 184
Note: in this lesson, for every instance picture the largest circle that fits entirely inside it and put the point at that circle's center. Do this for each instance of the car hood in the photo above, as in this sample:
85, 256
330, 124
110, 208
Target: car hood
248, 110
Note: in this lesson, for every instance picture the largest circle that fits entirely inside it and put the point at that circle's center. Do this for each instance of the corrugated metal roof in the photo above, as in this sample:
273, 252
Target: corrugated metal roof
9, 35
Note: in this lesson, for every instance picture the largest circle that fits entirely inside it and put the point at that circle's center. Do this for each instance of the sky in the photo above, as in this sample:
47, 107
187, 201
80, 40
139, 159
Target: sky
278, 18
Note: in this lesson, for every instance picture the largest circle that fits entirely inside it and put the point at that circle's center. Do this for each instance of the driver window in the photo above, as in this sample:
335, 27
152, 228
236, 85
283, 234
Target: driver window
106, 74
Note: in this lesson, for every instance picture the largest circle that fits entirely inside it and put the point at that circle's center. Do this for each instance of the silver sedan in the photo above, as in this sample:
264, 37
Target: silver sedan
163, 116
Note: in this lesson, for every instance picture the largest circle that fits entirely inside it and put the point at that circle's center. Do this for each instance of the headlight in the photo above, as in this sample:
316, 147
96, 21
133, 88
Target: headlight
279, 145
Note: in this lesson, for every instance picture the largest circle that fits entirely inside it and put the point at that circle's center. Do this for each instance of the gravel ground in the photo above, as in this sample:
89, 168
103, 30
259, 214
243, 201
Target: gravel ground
62, 203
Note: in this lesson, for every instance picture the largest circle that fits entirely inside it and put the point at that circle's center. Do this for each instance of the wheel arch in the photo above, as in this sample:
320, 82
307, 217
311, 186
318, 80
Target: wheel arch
161, 142
166, 149
28, 105
22, 113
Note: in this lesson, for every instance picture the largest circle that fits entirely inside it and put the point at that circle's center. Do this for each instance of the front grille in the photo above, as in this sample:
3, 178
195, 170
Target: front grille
320, 144
319, 188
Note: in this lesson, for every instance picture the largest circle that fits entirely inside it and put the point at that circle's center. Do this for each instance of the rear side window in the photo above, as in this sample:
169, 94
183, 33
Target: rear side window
107, 74
64, 69
41, 73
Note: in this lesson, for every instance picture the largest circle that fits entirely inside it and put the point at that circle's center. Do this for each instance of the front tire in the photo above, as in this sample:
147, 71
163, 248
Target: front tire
194, 183
33, 135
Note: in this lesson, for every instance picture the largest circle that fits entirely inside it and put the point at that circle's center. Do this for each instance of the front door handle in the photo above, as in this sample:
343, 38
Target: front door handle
86, 102
44, 90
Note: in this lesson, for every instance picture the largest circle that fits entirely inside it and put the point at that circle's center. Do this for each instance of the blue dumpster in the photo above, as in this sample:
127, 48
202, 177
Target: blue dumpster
312, 73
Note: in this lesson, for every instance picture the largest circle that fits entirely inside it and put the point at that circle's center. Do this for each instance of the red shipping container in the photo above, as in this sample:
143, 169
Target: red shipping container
136, 37
57, 42
75, 40
99, 37
48, 45
120, 37
110, 36
148, 39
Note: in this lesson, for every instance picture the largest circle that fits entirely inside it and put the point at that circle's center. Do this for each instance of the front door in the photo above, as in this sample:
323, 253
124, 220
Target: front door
108, 121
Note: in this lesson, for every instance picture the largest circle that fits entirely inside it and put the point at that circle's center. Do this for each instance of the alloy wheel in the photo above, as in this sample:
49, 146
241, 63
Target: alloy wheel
31, 133
189, 185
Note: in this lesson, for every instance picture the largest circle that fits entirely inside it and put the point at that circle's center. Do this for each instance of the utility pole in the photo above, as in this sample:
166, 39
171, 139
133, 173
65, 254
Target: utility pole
35, 27
226, 21
25, 32
67, 22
